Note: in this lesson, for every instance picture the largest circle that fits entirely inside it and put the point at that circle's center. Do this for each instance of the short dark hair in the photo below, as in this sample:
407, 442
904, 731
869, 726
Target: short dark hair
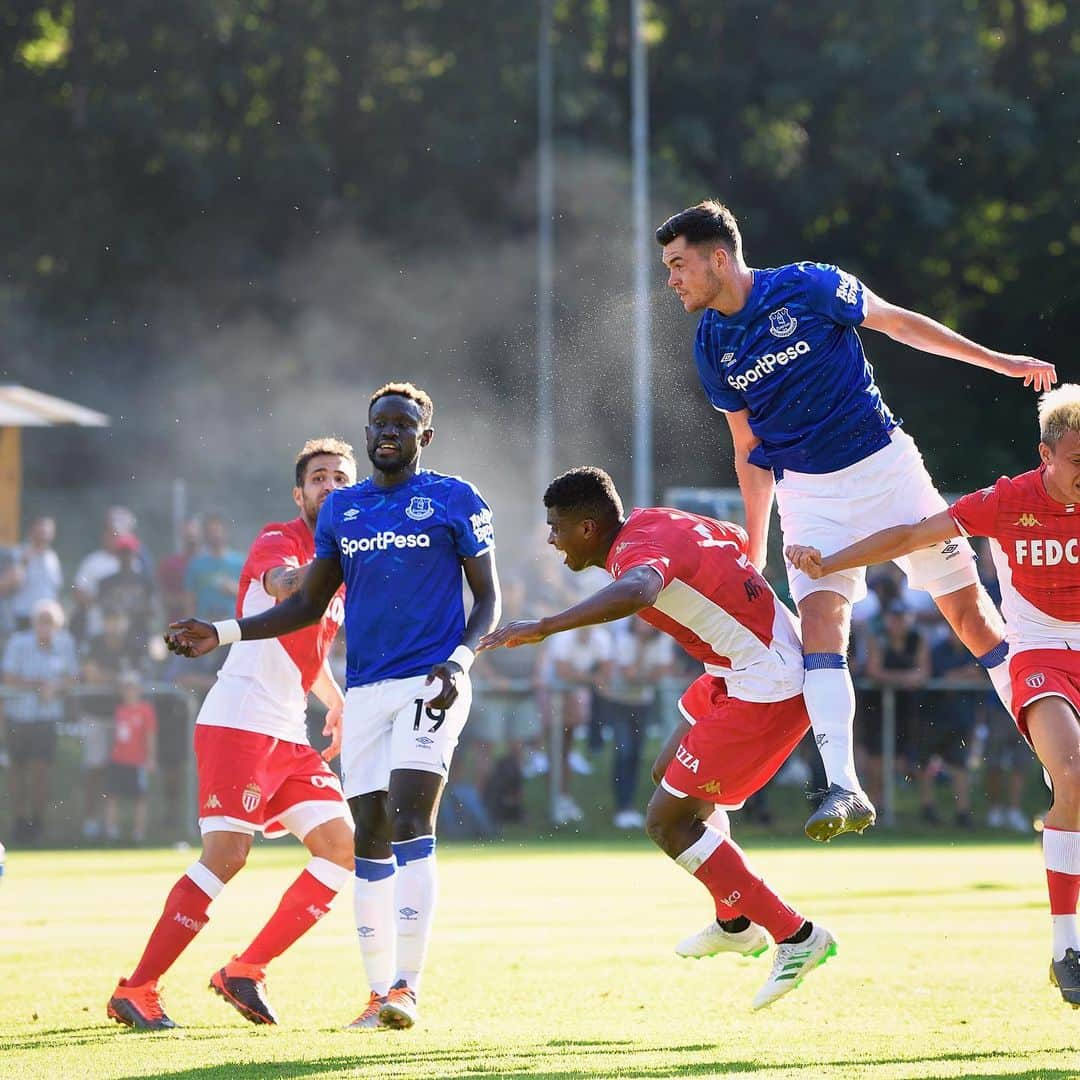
325, 444
586, 489
710, 222
413, 393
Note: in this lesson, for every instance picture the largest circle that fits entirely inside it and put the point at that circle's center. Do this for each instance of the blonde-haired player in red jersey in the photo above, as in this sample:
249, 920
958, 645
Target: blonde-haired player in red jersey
691, 577
257, 771
1033, 522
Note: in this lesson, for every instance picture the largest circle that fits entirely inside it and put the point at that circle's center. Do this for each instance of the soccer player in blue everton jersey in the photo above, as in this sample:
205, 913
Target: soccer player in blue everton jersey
778, 353
400, 541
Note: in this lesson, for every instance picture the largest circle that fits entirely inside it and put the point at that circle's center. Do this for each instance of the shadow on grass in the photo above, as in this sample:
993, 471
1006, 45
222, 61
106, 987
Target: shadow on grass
529, 1063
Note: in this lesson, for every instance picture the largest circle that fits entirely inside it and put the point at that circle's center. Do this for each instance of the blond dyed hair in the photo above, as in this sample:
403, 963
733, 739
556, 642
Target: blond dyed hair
1059, 412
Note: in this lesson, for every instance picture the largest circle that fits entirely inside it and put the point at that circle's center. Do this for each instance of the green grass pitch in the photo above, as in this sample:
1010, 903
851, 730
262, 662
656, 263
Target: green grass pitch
557, 961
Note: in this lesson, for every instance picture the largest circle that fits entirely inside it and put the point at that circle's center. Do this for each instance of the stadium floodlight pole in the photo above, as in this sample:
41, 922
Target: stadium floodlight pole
545, 211
639, 131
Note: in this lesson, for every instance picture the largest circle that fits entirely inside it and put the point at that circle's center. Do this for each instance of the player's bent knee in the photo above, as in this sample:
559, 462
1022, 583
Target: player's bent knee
409, 824
333, 841
225, 853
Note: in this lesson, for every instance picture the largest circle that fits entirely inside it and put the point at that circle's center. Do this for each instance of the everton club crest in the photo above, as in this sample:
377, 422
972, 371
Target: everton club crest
419, 508
782, 323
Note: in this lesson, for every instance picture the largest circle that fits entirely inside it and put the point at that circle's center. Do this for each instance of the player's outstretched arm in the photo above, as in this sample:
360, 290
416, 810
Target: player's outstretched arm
877, 548
756, 485
922, 332
194, 637
636, 589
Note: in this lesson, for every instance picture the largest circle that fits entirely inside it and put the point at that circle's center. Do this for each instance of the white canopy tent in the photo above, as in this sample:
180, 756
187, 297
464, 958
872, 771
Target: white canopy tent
22, 407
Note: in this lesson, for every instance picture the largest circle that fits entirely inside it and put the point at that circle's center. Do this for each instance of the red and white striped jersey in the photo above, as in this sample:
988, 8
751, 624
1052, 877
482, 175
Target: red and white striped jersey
1035, 543
263, 685
714, 603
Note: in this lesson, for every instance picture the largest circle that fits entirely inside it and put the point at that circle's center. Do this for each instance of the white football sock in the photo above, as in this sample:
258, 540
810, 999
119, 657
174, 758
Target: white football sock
373, 906
830, 701
415, 897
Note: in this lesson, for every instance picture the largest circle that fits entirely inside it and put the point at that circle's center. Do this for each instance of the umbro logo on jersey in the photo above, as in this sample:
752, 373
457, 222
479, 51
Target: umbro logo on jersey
1028, 521
1036, 681
728, 359
782, 323
351, 514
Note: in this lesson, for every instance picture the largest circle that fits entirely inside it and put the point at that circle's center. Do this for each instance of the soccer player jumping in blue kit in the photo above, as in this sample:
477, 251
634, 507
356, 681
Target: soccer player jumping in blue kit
400, 542
778, 353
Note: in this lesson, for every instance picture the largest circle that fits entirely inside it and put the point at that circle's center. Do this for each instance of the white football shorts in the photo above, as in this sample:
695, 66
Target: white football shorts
890, 487
389, 725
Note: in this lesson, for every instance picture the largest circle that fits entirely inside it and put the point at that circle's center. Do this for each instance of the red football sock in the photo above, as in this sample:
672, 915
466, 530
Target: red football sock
184, 916
305, 902
737, 890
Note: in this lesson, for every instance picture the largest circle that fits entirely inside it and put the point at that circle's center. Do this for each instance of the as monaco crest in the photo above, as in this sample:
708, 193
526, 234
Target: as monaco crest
1036, 681
251, 797
782, 323
419, 508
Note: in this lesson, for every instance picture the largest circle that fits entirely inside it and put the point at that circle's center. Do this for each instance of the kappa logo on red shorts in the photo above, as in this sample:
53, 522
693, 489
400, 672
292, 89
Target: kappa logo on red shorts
711, 788
252, 797
212, 803
1035, 681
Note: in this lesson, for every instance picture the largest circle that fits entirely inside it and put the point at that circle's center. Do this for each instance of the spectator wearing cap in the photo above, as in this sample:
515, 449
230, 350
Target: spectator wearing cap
40, 667
898, 657
99, 564
129, 591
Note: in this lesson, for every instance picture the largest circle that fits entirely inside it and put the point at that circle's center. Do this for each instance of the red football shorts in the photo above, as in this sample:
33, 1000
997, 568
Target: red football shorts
734, 747
255, 783
1043, 673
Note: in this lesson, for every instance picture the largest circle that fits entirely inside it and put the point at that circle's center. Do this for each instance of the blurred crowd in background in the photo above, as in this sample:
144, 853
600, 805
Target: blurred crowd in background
97, 715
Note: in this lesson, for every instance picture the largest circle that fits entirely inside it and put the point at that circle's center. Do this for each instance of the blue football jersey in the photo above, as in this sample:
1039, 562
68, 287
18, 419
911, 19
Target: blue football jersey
400, 550
792, 357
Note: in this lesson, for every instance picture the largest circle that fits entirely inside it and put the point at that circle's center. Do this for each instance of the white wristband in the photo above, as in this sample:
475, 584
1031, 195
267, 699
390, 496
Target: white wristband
463, 656
228, 631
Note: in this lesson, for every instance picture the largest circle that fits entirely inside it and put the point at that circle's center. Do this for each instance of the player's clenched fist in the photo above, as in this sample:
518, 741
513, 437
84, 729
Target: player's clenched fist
191, 637
806, 559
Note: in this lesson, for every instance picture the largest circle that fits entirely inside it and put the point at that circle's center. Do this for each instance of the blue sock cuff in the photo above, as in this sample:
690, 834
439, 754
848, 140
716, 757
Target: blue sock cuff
419, 847
373, 869
816, 661
997, 655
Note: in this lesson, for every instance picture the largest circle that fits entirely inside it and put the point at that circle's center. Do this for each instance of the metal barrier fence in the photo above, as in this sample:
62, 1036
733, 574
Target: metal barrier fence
669, 689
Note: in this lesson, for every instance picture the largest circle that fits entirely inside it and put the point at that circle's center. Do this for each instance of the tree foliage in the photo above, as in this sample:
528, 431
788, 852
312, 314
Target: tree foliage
930, 147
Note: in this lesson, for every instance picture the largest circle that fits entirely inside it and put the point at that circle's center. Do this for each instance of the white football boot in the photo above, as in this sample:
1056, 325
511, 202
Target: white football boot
715, 939
793, 963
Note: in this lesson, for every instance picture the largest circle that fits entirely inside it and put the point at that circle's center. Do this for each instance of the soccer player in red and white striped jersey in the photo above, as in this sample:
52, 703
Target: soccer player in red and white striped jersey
257, 772
1033, 525
692, 578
